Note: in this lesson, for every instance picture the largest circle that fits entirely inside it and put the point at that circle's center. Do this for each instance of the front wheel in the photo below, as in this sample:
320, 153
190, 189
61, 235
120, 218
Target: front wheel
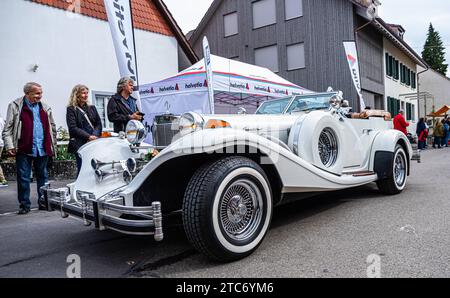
396, 181
227, 208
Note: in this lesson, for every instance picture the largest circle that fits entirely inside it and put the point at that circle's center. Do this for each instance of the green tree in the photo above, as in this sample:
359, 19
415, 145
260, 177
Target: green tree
434, 51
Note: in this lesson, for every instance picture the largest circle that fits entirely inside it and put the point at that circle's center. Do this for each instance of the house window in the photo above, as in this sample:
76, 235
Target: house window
408, 111
267, 57
402, 73
100, 100
264, 13
230, 22
396, 70
293, 9
393, 105
413, 80
296, 56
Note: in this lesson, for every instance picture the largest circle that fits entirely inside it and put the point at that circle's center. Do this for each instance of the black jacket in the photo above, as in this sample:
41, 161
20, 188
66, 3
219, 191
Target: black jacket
79, 128
119, 113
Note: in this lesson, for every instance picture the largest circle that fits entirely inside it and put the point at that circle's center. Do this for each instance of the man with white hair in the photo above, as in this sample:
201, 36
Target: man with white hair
122, 107
400, 123
30, 136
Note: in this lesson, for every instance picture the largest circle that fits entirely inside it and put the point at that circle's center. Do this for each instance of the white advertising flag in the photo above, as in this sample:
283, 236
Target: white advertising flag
209, 73
352, 57
120, 23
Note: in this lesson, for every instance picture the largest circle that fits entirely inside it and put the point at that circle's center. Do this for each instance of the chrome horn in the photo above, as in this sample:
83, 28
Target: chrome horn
96, 164
129, 164
128, 167
126, 175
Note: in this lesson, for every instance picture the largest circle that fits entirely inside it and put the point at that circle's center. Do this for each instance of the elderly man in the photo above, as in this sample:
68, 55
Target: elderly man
122, 107
30, 136
400, 122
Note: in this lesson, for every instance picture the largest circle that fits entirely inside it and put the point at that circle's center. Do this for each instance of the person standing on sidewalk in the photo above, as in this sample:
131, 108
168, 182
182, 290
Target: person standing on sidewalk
30, 136
83, 121
122, 107
438, 134
3, 182
400, 123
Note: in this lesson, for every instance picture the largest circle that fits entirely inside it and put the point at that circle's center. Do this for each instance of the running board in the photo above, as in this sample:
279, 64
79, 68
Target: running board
360, 173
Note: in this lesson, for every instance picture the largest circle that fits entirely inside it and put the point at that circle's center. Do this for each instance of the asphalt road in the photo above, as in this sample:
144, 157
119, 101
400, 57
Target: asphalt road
327, 236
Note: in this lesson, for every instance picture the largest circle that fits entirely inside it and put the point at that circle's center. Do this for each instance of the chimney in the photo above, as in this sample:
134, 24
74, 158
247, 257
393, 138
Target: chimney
398, 30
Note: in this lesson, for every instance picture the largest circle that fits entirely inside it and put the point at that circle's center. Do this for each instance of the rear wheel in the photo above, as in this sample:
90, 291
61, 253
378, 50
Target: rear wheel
396, 181
227, 208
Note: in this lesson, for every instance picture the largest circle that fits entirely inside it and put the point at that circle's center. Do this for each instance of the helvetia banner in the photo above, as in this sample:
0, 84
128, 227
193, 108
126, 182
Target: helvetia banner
352, 57
119, 17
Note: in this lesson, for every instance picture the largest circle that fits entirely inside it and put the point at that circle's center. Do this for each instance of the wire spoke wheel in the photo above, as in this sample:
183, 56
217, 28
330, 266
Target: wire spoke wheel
240, 210
400, 170
328, 147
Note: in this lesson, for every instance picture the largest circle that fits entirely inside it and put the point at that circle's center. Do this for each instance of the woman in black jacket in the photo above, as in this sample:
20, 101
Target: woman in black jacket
83, 121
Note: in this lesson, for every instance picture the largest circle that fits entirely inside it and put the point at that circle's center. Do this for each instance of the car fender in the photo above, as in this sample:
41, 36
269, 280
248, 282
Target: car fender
385, 143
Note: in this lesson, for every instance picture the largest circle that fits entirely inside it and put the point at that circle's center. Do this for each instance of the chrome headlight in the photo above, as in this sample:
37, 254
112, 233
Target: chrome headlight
190, 122
136, 132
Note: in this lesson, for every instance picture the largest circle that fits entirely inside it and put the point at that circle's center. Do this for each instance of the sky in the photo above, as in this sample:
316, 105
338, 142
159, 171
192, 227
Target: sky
414, 15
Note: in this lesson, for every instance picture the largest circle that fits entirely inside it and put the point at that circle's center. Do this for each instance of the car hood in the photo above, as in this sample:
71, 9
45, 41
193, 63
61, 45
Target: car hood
256, 122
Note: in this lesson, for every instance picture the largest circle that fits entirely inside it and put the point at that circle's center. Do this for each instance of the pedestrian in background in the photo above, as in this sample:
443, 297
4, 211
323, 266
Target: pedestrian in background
83, 121
422, 133
400, 123
438, 133
3, 182
446, 133
122, 107
30, 136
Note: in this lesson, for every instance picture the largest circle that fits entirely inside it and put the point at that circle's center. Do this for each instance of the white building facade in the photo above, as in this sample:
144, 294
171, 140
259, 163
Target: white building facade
434, 91
59, 49
400, 83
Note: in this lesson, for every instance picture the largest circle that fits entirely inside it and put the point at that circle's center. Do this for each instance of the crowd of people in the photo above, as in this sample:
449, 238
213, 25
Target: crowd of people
441, 130
29, 132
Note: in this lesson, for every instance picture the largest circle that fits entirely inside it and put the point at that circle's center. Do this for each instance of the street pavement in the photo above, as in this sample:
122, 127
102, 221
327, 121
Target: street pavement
330, 235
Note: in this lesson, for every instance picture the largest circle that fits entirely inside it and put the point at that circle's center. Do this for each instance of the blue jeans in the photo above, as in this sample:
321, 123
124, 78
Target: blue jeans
421, 145
24, 163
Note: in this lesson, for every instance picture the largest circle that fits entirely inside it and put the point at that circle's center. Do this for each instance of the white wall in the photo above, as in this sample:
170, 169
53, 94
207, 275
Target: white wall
69, 49
394, 88
437, 85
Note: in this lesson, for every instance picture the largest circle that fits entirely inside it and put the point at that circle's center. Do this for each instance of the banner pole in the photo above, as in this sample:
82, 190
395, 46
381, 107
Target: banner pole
134, 46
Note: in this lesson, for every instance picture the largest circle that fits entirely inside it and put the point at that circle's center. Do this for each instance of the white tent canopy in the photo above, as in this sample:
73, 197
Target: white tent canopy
235, 84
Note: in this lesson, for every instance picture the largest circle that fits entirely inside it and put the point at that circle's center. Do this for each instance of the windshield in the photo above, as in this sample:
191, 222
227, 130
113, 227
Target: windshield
274, 106
310, 102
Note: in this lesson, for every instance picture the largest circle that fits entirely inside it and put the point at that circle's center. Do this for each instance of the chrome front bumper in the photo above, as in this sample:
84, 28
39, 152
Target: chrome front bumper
108, 213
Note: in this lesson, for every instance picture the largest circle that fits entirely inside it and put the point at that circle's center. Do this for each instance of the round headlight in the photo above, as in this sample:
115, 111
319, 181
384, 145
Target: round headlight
190, 122
136, 132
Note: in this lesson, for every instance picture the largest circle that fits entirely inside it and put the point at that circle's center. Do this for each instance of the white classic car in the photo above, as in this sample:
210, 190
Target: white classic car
225, 173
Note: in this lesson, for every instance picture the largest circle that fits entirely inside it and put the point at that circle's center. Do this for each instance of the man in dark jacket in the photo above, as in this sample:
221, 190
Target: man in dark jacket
122, 107
30, 136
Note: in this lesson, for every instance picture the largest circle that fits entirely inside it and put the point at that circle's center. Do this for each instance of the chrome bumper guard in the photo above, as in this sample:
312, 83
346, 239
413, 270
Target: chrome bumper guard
109, 213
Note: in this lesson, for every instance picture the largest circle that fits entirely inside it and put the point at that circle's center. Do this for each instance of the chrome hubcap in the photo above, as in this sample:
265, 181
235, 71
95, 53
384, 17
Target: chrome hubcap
240, 209
400, 170
328, 147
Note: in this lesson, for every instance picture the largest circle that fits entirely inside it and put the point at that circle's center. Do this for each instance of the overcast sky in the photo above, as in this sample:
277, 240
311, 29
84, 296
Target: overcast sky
414, 15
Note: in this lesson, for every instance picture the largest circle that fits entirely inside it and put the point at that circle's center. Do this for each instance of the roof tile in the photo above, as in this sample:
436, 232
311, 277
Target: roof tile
146, 15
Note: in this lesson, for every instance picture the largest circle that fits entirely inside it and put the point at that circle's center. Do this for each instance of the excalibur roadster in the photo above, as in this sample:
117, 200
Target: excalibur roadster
225, 173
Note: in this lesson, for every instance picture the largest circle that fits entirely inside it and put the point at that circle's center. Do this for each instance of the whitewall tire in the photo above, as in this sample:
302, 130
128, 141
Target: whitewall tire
227, 208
